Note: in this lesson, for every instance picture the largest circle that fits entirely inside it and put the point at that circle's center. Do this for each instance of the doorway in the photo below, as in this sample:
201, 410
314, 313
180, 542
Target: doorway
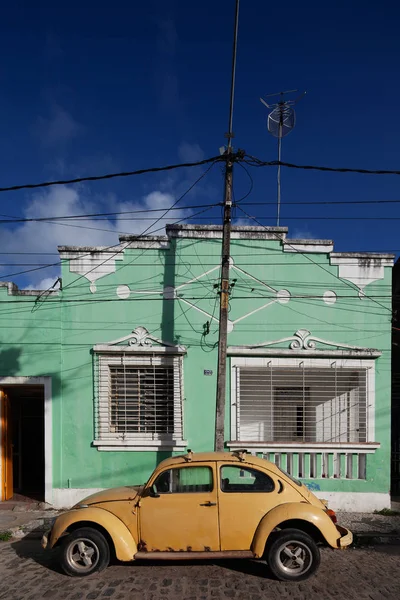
23, 442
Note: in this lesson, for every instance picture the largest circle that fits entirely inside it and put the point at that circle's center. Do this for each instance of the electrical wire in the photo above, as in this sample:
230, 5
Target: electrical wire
325, 218
134, 237
314, 262
251, 183
26, 186
147, 230
256, 162
104, 216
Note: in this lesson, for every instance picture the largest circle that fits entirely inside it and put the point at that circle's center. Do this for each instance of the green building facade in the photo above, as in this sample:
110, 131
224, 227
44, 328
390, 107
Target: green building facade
117, 370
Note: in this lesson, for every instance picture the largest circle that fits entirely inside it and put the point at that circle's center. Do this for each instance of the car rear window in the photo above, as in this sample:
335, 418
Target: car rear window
235, 478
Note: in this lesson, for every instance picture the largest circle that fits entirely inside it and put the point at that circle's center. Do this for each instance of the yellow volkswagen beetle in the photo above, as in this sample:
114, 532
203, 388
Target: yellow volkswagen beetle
201, 506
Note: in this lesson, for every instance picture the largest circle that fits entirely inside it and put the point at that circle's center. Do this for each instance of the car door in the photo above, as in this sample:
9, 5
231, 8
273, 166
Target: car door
245, 495
178, 510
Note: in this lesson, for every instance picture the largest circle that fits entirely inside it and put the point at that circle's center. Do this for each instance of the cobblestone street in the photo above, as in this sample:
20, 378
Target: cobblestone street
27, 572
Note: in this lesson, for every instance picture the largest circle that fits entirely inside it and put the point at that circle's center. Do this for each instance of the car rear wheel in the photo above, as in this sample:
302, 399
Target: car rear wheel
83, 552
292, 555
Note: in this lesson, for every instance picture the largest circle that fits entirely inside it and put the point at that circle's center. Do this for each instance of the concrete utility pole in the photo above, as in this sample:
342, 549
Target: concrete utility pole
225, 264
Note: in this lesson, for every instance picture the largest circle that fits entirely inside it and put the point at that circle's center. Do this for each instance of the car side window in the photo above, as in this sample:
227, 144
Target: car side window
243, 479
184, 481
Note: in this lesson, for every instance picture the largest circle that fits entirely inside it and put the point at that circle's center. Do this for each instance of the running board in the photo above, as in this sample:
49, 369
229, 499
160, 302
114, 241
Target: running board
171, 555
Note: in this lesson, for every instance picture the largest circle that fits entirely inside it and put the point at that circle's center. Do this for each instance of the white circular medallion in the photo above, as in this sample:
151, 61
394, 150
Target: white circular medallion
123, 292
93, 288
230, 326
329, 297
283, 296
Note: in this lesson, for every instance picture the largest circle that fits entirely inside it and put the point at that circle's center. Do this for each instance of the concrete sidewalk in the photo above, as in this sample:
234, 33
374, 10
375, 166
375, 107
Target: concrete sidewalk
25, 518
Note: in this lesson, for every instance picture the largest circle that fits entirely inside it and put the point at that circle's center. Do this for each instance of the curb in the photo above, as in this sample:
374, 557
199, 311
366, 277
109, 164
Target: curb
34, 529
374, 538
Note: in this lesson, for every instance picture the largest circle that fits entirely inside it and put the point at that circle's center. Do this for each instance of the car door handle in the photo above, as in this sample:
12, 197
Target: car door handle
209, 504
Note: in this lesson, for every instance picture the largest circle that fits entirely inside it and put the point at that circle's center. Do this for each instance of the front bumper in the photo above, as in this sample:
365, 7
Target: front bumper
45, 539
346, 537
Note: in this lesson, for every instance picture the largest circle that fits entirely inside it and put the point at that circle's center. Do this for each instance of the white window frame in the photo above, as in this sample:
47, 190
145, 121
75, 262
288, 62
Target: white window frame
105, 440
310, 363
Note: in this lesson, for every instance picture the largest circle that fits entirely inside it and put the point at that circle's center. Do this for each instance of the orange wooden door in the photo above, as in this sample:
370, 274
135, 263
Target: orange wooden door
6, 448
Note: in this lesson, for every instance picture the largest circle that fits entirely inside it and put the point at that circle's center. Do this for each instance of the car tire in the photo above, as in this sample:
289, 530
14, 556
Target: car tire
83, 552
292, 555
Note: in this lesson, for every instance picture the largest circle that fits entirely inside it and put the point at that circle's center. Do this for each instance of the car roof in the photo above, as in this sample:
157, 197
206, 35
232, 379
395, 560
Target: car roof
239, 457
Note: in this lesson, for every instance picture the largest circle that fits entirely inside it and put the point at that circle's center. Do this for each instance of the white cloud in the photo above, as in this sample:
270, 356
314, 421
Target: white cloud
242, 222
39, 237
58, 128
190, 152
34, 238
302, 234
45, 284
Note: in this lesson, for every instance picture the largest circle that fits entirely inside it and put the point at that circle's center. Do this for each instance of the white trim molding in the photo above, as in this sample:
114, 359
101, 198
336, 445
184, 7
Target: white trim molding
48, 427
140, 340
170, 445
302, 342
362, 502
68, 497
361, 269
315, 246
318, 447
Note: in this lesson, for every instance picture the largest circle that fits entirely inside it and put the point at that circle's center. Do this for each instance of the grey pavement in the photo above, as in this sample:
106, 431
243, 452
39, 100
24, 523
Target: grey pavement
28, 573
371, 528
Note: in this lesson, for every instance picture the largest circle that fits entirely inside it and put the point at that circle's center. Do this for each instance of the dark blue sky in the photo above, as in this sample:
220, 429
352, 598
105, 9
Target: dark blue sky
87, 88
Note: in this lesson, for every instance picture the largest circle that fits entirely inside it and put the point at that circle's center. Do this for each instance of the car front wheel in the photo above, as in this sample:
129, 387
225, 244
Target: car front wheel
84, 551
292, 555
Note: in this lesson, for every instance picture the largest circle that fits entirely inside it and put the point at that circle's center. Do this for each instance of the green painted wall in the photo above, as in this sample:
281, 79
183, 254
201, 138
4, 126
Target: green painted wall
54, 336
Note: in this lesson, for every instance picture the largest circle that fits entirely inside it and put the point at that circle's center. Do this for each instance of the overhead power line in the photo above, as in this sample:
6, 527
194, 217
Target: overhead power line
315, 262
119, 250
247, 159
25, 186
256, 162
54, 220
105, 216
58, 264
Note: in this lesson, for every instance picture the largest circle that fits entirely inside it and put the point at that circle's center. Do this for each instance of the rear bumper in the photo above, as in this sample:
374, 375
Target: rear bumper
346, 537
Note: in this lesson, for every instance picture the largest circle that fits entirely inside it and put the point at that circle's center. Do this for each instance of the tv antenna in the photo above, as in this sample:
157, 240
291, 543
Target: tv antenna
281, 121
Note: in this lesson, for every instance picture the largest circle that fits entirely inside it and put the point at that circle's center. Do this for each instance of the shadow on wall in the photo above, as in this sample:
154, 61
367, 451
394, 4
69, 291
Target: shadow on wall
10, 362
127, 476
168, 306
10, 366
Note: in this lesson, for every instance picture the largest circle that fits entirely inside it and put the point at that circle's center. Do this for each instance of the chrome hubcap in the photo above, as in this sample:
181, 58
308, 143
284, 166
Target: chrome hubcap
294, 557
83, 555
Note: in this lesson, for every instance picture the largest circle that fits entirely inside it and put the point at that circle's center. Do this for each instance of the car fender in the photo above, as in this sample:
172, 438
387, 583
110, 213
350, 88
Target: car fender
124, 543
294, 510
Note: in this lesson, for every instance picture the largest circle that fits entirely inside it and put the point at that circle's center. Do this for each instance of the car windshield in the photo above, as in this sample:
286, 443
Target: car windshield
296, 481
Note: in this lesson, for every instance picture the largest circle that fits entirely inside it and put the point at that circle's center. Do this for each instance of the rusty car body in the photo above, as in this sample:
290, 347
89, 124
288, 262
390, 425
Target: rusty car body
206, 505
